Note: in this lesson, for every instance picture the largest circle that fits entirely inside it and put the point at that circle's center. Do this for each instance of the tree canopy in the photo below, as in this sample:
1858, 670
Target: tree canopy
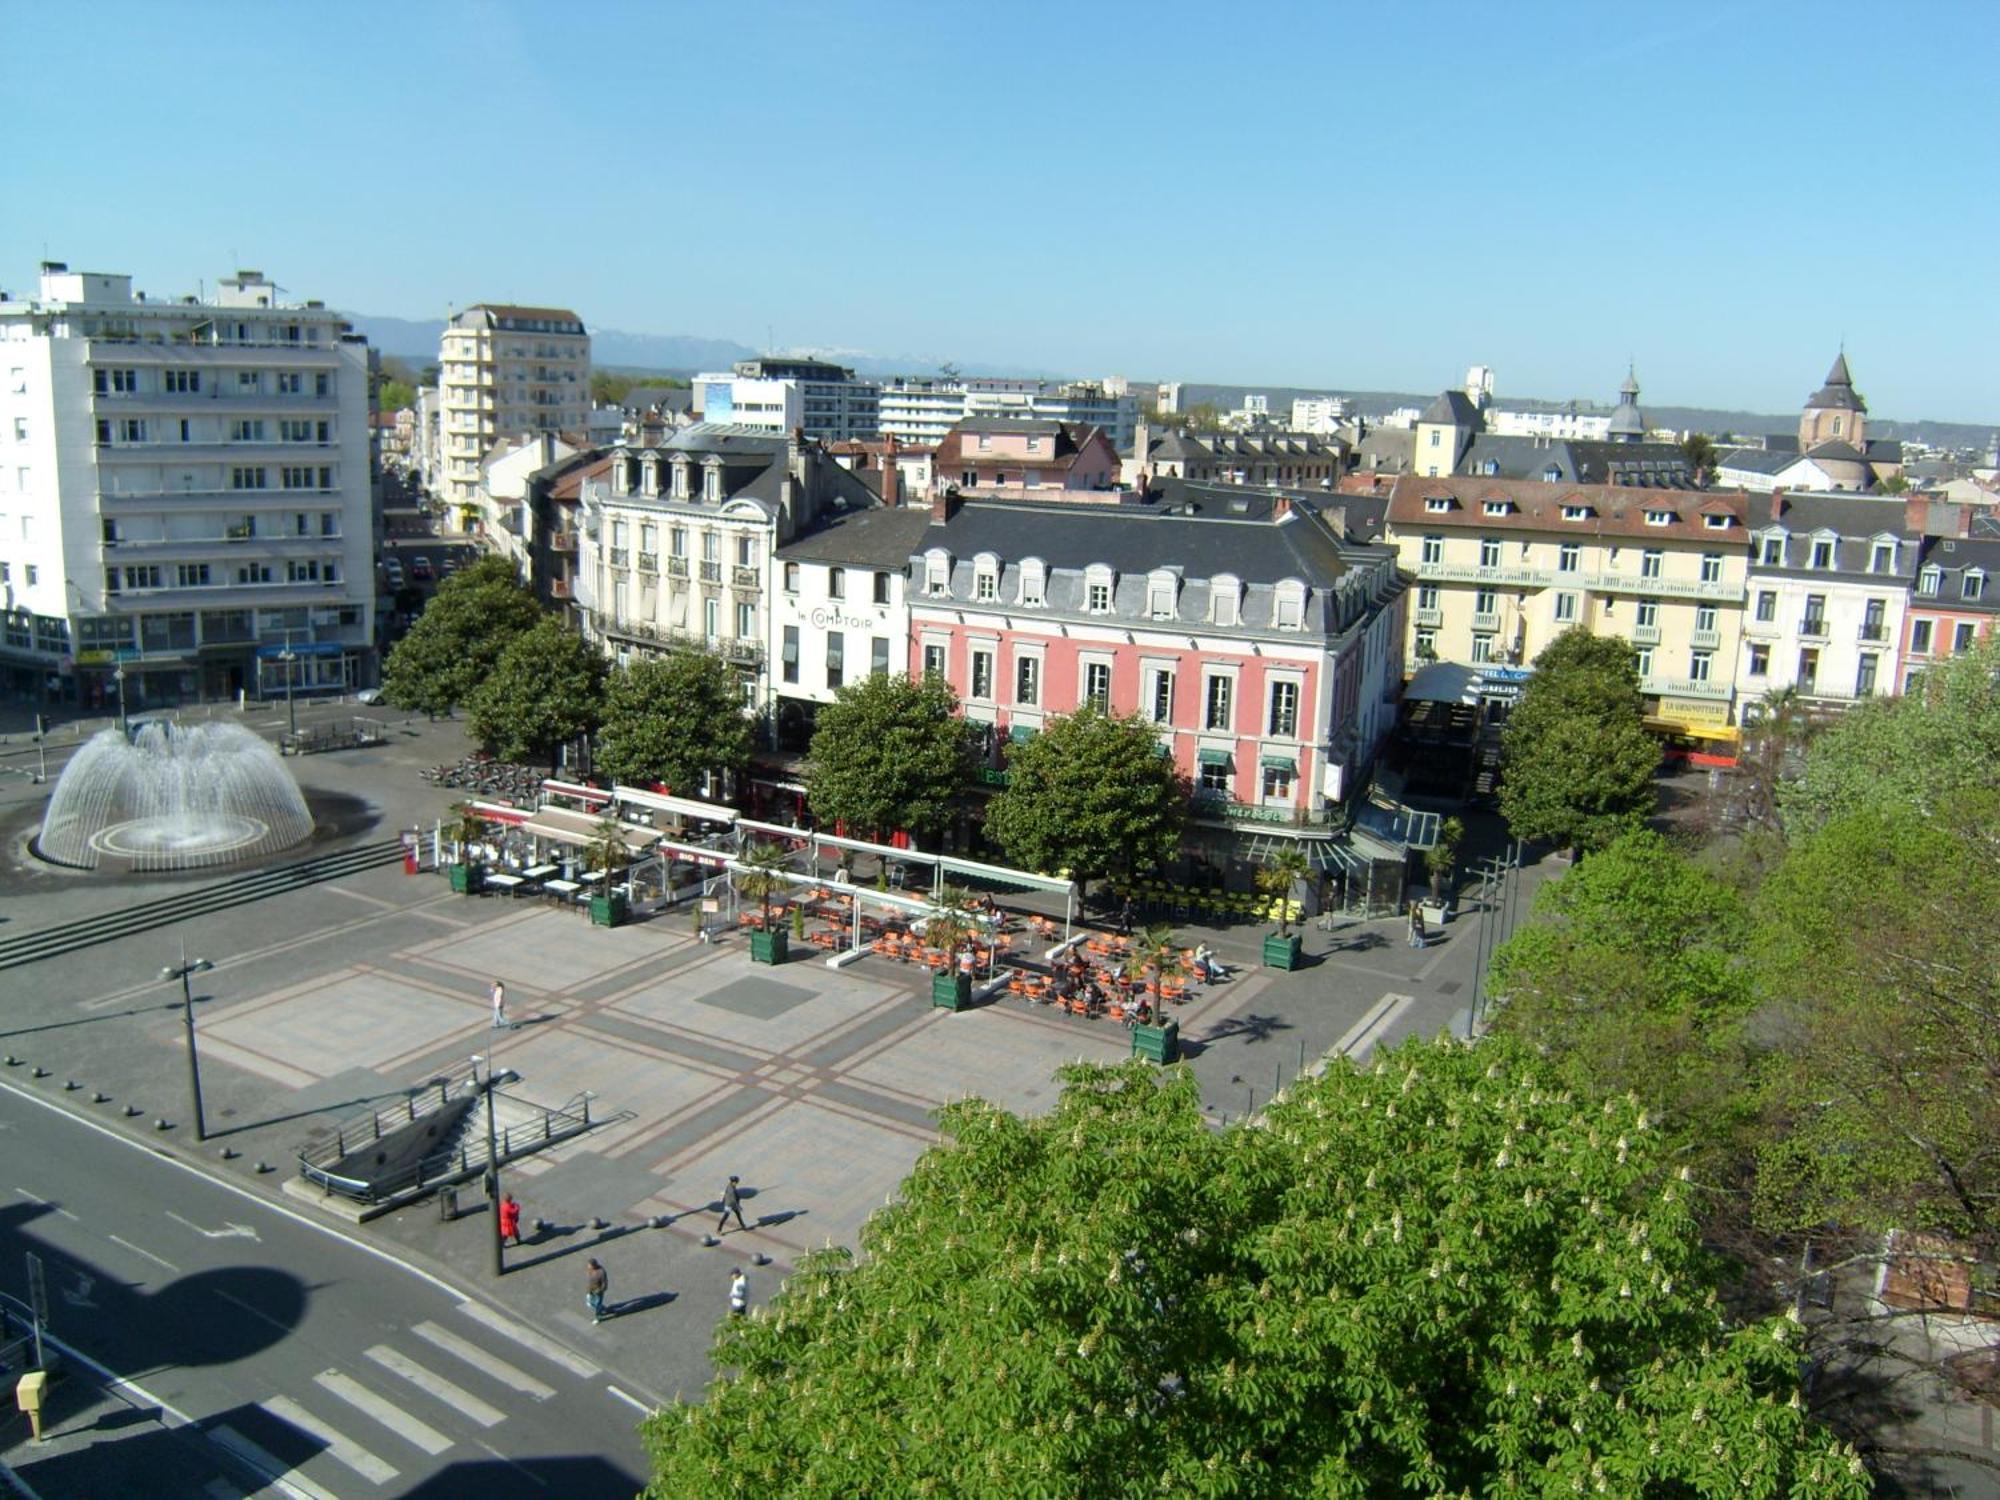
1091, 794
546, 690
889, 753
1578, 767
675, 719
1443, 1275
456, 642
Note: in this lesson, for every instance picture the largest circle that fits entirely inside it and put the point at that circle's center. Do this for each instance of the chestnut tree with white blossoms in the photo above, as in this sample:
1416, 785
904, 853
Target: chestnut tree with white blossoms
1441, 1274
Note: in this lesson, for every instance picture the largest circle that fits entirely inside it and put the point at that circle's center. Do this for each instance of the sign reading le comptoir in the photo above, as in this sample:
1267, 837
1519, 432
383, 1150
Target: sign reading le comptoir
828, 617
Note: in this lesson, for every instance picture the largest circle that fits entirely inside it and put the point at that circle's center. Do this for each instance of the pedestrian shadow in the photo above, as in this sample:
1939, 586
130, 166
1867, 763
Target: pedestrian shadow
601, 1237
645, 1303
540, 1018
772, 1221
1249, 1028
1360, 942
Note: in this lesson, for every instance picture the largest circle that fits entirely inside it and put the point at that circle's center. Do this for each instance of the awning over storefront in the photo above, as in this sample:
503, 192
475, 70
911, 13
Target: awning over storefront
1440, 682
1212, 757
1280, 763
1727, 734
1020, 734
675, 807
580, 829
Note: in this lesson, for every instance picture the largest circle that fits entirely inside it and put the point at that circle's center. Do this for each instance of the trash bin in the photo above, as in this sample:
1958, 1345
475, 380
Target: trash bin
448, 1204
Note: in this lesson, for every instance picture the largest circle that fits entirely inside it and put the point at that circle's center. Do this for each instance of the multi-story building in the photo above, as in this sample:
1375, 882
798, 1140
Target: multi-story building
1829, 586
921, 412
1455, 436
1320, 415
1957, 596
1259, 641
504, 371
783, 395
506, 481
839, 612
1830, 451
1502, 567
1268, 460
1563, 425
676, 540
1026, 458
185, 493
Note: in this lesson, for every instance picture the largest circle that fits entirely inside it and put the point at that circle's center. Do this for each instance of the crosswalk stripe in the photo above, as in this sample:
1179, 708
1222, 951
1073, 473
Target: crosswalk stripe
480, 1360
456, 1397
576, 1364
279, 1473
338, 1443
386, 1412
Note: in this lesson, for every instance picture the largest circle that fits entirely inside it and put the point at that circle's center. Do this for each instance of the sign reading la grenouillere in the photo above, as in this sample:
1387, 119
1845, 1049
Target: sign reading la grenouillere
831, 617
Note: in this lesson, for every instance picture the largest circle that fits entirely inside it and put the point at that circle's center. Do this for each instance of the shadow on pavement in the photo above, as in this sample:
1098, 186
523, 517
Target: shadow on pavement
586, 1478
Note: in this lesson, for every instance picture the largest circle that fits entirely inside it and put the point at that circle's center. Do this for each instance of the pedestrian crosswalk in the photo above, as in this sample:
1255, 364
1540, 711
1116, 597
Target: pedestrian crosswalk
358, 1430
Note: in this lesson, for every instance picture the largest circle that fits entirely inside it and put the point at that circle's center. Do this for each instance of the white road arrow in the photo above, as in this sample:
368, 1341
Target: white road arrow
227, 1232
79, 1294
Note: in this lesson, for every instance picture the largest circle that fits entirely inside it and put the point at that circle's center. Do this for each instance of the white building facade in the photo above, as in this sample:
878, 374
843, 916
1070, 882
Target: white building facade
780, 396
503, 371
921, 412
1563, 425
185, 494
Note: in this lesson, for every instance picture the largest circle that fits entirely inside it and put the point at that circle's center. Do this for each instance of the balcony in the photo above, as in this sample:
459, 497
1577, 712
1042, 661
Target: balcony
1706, 640
1813, 628
1763, 630
1685, 687
744, 578
677, 567
711, 572
1876, 632
1614, 582
562, 541
741, 652
1486, 624
1429, 619
1645, 635
558, 588
620, 558
649, 562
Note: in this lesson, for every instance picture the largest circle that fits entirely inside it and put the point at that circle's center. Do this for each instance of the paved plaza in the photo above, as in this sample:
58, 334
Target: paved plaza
817, 1086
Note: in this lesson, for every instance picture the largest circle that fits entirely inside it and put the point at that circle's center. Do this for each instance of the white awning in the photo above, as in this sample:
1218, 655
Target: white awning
677, 807
564, 827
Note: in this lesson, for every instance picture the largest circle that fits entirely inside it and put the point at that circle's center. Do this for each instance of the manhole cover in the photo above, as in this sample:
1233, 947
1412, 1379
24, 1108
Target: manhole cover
1451, 987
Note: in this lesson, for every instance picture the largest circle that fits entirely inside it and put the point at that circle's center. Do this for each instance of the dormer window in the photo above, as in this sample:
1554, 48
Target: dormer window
1822, 552
1552, 475
1930, 581
986, 578
1225, 600
680, 480
1771, 551
1490, 467
1716, 523
711, 482
937, 574
1097, 590
1437, 505
621, 475
1882, 557
1973, 585
1289, 605
1576, 512
1034, 583
1495, 508
985, 442
1659, 518
649, 476
1160, 591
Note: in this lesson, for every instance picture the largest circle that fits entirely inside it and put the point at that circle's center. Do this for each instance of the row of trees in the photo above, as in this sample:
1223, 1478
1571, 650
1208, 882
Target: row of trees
1815, 1016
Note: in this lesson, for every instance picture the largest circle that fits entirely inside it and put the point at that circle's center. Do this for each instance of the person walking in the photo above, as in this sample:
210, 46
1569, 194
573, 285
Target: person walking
732, 1203
510, 1221
596, 1282
499, 1004
1416, 925
1125, 917
739, 1293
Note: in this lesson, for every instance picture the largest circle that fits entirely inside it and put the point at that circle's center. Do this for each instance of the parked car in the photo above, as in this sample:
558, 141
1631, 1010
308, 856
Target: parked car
420, 569
392, 569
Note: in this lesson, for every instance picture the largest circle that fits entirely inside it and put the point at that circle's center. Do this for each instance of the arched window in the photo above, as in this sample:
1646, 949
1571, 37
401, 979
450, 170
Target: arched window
1034, 582
1225, 599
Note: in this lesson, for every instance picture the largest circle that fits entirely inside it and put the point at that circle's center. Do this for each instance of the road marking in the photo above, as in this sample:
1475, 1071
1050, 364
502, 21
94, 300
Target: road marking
147, 1254
255, 1312
391, 1416
338, 1443
38, 1199
228, 1232
631, 1401
454, 1396
480, 1360
576, 1364
276, 1470
1364, 1033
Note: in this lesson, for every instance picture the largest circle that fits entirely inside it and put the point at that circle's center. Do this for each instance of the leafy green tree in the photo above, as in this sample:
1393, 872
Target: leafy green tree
675, 719
1880, 963
1446, 1274
394, 395
889, 753
1699, 449
1091, 794
1579, 764
1940, 737
1631, 975
458, 639
546, 690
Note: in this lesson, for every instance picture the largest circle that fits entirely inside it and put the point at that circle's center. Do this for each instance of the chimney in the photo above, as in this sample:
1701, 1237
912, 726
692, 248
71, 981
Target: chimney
1282, 509
1778, 503
892, 476
944, 505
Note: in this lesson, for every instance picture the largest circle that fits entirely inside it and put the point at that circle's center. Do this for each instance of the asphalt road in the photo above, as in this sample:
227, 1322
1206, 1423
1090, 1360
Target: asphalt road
298, 1360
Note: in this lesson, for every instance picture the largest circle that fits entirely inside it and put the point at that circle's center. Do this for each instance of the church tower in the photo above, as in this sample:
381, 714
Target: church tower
1628, 425
1836, 413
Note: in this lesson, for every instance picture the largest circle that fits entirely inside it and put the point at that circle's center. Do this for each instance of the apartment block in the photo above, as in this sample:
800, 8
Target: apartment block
505, 371
779, 396
185, 494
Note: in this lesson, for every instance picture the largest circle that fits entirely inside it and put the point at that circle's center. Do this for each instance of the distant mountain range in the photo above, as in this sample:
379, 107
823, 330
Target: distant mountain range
679, 354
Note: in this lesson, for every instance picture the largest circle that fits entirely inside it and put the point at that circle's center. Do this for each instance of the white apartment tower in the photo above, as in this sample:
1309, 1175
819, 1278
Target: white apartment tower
506, 371
185, 494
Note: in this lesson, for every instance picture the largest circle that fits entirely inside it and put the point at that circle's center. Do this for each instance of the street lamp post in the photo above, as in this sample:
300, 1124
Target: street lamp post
494, 1078
181, 972
287, 656
118, 675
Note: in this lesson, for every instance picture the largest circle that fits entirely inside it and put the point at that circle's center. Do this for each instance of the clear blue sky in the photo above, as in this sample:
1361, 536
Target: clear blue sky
1315, 194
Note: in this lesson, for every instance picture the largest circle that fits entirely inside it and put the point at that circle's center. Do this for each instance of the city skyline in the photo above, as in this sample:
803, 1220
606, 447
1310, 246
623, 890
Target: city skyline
1724, 199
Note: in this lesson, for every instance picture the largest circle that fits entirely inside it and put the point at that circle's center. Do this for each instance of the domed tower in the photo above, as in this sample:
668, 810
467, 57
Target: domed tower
1628, 425
1836, 413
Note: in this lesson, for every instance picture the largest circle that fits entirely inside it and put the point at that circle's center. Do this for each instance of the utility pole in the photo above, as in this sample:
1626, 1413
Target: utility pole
493, 1077
181, 972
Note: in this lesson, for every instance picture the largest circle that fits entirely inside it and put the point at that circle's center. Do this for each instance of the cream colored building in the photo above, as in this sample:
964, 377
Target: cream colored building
505, 371
1502, 567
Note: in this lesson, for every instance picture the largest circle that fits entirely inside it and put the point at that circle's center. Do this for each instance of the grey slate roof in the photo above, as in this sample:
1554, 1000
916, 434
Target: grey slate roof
1835, 451
1578, 461
883, 537
1855, 520
1757, 460
1838, 393
1455, 409
1954, 557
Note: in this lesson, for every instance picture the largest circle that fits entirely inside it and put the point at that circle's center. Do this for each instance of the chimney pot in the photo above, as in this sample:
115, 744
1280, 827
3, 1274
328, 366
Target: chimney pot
1778, 503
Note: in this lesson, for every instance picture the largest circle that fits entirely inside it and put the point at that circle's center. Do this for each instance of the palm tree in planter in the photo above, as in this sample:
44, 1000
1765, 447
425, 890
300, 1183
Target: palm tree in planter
1156, 958
1279, 878
607, 853
762, 878
467, 830
1441, 859
949, 929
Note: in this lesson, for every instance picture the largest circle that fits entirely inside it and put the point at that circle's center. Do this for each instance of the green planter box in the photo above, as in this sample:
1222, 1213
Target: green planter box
770, 947
608, 911
1160, 1044
951, 991
1281, 952
468, 880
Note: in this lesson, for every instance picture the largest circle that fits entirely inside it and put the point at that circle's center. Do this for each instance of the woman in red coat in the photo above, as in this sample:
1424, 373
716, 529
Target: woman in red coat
510, 1221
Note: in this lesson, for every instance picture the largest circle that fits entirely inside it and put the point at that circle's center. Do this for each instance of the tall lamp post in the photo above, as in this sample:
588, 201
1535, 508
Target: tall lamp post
181, 971
288, 656
494, 1078
118, 675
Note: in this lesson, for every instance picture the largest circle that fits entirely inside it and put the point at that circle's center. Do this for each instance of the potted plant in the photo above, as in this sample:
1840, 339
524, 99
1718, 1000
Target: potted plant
608, 908
468, 875
950, 929
1441, 859
762, 878
1156, 958
1279, 878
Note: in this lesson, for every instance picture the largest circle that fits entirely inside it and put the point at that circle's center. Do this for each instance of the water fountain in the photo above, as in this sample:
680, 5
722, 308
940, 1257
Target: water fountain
173, 797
